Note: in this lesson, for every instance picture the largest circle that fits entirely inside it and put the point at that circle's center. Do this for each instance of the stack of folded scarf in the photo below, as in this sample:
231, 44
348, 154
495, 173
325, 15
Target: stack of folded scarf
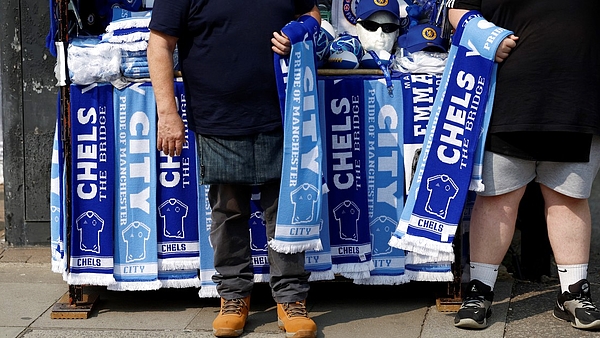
131, 35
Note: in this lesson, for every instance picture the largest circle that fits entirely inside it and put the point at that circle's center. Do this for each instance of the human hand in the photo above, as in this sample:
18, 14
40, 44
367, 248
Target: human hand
170, 134
281, 44
506, 46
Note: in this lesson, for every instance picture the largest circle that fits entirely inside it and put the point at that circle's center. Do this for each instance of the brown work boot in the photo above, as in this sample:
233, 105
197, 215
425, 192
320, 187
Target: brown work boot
232, 317
293, 319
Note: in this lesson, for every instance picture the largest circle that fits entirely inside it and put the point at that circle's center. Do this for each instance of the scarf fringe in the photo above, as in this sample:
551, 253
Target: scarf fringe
180, 283
476, 185
383, 280
262, 278
90, 278
135, 286
128, 23
425, 276
321, 275
289, 248
127, 38
415, 258
58, 267
208, 291
421, 245
182, 263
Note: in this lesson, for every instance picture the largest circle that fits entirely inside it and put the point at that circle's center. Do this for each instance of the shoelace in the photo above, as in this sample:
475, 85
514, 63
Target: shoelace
586, 303
296, 309
233, 306
474, 302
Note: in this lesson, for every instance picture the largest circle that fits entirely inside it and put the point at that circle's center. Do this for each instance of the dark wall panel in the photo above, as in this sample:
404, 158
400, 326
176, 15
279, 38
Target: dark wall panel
29, 113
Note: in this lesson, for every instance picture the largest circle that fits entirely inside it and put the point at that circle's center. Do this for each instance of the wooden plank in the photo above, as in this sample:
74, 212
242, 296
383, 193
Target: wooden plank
63, 309
448, 304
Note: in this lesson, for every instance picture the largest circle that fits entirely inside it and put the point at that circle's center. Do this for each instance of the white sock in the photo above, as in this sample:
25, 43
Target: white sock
571, 274
485, 273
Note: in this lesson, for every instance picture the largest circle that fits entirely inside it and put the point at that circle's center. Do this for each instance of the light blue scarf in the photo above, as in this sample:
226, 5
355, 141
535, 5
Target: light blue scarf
299, 210
208, 288
385, 181
57, 214
439, 188
135, 236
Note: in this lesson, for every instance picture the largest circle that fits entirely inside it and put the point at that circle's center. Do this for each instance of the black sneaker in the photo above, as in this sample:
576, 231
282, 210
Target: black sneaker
576, 306
476, 306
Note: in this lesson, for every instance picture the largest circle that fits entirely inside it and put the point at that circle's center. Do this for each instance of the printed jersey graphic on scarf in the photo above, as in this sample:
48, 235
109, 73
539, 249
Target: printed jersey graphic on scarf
347, 213
442, 190
135, 236
90, 226
173, 213
304, 199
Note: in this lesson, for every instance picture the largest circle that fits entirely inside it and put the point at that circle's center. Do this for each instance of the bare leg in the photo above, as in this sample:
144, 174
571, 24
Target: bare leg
569, 227
493, 225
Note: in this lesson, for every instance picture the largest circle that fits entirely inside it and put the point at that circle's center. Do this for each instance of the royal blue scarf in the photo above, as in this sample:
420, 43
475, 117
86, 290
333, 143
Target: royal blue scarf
92, 185
439, 188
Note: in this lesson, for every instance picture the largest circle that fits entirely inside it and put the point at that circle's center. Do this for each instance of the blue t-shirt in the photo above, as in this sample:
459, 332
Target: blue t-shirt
226, 60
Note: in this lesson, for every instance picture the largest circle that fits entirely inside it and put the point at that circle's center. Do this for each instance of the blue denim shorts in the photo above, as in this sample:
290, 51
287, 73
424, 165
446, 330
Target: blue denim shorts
249, 159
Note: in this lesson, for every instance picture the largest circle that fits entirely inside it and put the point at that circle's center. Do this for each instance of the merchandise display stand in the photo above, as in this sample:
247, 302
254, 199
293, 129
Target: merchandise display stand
74, 304
77, 303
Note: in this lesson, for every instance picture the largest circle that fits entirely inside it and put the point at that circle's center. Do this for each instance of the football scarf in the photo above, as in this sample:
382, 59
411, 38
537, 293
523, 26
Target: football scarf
299, 209
135, 236
57, 214
177, 212
344, 105
208, 288
92, 187
439, 188
258, 239
384, 180
319, 262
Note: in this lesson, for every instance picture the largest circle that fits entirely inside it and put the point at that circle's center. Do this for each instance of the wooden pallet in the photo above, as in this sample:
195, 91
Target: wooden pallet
63, 309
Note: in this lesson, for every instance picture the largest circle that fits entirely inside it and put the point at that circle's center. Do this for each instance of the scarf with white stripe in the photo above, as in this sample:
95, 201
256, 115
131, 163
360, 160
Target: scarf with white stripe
439, 188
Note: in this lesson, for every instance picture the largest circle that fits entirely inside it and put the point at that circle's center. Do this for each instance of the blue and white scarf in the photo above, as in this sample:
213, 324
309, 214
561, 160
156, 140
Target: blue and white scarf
92, 185
299, 210
177, 210
57, 213
385, 181
258, 239
344, 106
319, 262
177, 200
208, 288
440, 185
419, 92
135, 236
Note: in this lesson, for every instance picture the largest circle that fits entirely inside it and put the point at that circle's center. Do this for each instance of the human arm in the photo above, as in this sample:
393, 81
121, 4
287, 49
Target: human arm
170, 134
505, 47
281, 43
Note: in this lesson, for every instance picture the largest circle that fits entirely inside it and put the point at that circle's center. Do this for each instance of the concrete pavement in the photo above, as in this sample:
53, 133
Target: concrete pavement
28, 290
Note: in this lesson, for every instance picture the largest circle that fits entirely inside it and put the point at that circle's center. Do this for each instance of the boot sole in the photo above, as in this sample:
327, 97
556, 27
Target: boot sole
297, 334
227, 332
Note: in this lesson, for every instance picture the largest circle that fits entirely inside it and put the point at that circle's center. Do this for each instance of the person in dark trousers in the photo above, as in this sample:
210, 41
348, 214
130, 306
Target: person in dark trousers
544, 128
226, 56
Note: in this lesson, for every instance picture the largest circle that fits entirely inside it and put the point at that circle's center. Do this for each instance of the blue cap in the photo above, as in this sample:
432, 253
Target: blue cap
423, 36
365, 8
